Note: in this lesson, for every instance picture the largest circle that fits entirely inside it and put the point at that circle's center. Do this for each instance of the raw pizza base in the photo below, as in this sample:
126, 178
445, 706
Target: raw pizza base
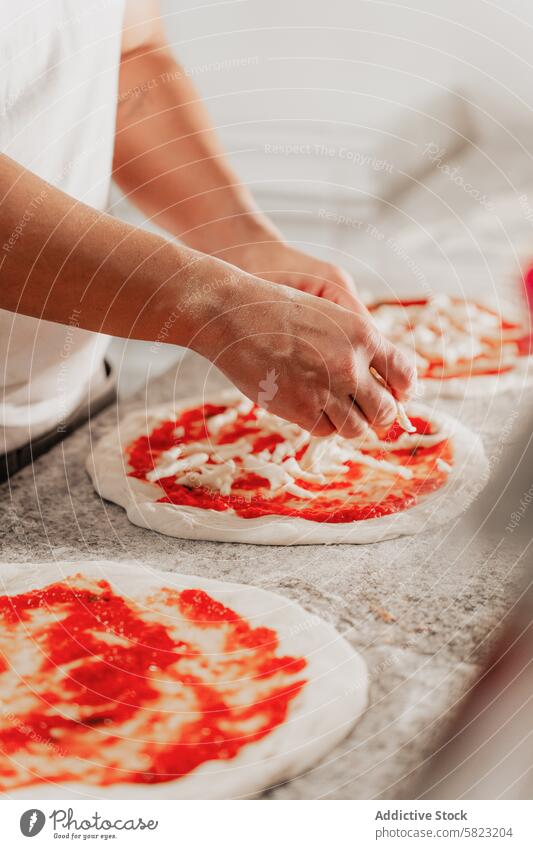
319, 717
479, 385
107, 467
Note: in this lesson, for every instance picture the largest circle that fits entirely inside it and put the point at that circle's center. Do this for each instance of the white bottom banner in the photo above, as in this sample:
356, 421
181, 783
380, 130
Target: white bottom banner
262, 824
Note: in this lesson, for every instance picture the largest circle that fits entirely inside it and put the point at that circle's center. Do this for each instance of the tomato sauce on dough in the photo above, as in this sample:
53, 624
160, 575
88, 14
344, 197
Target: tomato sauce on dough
100, 689
360, 493
500, 347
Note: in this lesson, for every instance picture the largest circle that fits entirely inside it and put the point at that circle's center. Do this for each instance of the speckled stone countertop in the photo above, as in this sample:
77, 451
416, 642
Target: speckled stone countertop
421, 610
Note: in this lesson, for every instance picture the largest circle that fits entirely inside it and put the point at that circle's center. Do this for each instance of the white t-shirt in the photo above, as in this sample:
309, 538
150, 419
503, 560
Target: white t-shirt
58, 95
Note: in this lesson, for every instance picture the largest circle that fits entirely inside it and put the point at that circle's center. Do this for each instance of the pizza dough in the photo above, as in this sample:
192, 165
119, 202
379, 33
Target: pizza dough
187, 490
463, 349
119, 678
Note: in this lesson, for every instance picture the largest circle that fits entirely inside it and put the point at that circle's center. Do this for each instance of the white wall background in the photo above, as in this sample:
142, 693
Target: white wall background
343, 67
380, 78
310, 97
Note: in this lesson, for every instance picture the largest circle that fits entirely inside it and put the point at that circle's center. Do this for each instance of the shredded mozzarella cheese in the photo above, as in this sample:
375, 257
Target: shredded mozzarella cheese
401, 415
274, 474
295, 470
403, 419
239, 448
443, 329
216, 423
195, 461
382, 465
219, 478
206, 464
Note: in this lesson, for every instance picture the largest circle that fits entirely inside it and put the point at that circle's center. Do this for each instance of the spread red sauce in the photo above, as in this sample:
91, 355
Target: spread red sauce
100, 689
359, 494
500, 347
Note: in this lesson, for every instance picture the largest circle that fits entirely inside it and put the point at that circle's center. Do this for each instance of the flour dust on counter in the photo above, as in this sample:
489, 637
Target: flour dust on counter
222, 468
120, 681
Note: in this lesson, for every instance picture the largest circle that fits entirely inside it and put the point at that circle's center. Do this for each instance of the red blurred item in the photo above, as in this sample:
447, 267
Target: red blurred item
528, 285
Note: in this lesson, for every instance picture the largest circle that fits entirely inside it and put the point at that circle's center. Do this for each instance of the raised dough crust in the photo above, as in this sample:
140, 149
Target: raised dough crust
321, 715
107, 468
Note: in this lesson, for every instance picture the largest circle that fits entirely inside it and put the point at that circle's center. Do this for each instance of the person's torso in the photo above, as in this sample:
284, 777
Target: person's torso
58, 93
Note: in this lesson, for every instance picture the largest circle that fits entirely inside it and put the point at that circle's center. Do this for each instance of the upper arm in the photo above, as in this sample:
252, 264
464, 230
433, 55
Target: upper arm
142, 26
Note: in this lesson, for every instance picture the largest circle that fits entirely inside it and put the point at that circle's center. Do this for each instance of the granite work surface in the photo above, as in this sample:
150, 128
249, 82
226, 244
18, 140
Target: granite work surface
422, 610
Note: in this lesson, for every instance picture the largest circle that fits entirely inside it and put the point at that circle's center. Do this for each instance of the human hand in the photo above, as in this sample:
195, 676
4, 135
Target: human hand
315, 355
274, 260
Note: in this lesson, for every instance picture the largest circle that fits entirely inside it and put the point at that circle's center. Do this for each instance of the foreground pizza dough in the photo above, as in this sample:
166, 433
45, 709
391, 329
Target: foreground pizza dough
119, 678
462, 348
210, 467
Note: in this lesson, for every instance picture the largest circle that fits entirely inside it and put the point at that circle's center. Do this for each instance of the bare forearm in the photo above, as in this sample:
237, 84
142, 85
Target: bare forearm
59, 257
169, 161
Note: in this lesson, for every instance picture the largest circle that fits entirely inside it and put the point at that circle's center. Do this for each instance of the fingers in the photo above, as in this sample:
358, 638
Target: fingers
375, 401
342, 290
323, 426
349, 299
395, 368
347, 418
308, 415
